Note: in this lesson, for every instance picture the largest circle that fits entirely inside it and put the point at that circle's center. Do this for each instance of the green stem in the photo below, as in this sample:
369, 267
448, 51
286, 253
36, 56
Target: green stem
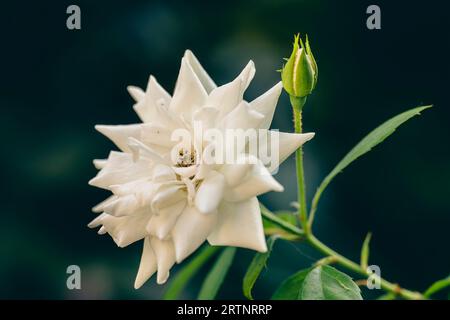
281, 223
297, 106
352, 266
334, 257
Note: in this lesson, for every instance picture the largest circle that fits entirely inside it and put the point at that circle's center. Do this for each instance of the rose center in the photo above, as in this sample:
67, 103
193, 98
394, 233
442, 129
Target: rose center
186, 158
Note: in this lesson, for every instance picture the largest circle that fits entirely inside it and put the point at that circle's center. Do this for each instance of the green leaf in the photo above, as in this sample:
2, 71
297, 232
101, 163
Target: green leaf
319, 283
215, 277
180, 280
328, 283
365, 145
290, 288
437, 286
365, 251
256, 266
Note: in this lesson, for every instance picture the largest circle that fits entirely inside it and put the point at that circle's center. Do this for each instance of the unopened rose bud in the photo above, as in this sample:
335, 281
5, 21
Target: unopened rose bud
299, 74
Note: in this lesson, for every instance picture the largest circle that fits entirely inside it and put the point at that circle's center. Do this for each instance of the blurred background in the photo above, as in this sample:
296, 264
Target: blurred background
56, 84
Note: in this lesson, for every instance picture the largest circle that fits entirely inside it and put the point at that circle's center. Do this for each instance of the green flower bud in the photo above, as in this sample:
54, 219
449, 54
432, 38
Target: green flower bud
299, 74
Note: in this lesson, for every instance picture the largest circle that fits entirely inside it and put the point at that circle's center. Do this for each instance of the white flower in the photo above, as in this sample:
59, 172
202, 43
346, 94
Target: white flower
175, 204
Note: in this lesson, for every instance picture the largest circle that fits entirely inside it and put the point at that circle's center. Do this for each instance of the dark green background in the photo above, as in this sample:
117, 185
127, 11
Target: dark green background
57, 84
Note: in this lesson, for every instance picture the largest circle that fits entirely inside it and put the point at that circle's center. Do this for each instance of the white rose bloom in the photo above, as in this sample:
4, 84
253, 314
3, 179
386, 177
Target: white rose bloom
175, 203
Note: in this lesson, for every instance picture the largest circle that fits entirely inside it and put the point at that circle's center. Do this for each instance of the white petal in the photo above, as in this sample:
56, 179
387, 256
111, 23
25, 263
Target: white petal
141, 151
128, 229
99, 163
165, 257
203, 170
132, 187
242, 117
277, 146
185, 172
122, 206
258, 181
266, 104
202, 75
162, 223
225, 98
239, 225
191, 230
155, 96
156, 134
189, 92
148, 265
136, 93
99, 207
206, 116
167, 195
210, 193
289, 142
120, 134
120, 168
234, 173
162, 173
97, 221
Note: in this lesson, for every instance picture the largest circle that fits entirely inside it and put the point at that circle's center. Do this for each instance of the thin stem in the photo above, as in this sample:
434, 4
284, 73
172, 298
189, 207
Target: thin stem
297, 106
350, 265
334, 257
312, 212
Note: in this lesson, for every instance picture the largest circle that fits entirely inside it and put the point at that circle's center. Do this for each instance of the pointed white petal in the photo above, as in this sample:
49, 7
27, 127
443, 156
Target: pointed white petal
202, 75
191, 230
120, 134
155, 96
258, 181
206, 116
120, 168
97, 221
266, 104
225, 98
136, 93
165, 257
122, 206
162, 223
239, 225
274, 147
127, 229
167, 195
99, 207
99, 163
289, 142
140, 150
156, 134
132, 187
242, 117
148, 266
210, 193
189, 92
235, 173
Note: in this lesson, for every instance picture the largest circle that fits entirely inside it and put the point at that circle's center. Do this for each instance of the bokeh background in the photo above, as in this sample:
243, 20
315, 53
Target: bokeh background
57, 84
